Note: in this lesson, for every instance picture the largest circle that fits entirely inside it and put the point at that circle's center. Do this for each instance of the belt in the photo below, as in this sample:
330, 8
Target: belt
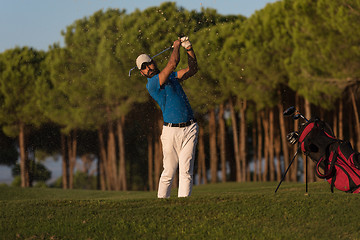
183, 124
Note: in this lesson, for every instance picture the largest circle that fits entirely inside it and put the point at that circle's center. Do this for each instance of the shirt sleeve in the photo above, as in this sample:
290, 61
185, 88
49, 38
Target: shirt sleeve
173, 76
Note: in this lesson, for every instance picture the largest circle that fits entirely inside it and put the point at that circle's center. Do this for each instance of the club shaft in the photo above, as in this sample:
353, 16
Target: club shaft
166, 49
304, 118
161, 52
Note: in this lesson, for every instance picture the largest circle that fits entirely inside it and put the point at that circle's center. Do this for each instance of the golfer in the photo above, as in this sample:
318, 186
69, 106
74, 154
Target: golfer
180, 131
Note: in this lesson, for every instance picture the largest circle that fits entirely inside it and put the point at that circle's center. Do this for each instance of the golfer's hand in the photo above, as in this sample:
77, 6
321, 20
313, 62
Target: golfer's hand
185, 42
176, 44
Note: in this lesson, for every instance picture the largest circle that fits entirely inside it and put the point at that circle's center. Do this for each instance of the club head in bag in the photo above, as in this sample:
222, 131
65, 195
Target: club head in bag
297, 116
290, 111
292, 137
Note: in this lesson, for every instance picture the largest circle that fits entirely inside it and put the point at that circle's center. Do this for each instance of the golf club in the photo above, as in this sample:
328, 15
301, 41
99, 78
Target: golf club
166, 49
290, 111
293, 138
295, 114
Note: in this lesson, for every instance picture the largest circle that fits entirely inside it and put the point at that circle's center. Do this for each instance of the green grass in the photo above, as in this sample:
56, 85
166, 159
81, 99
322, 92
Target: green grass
215, 211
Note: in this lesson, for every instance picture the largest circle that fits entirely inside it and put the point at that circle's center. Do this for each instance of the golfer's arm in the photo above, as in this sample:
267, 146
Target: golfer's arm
171, 66
191, 69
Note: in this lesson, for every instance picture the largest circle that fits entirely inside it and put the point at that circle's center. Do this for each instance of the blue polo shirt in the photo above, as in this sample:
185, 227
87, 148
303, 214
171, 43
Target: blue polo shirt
171, 98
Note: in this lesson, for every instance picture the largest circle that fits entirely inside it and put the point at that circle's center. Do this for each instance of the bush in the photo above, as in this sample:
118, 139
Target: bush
16, 182
84, 181
57, 183
40, 184
37, 171
81, 181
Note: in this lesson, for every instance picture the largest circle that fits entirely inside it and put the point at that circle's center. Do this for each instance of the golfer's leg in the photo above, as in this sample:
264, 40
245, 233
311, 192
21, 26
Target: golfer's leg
170, 162
186, 161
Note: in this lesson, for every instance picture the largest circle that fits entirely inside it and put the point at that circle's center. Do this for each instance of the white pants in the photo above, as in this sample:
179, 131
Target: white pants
179, 145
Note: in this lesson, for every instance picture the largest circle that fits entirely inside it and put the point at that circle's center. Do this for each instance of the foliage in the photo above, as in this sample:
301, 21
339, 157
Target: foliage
326, 53
84, 181
8, 151
45, 141
40, 184
16, 181
208, 88
19, 71
38, 172
264, 44
81, 181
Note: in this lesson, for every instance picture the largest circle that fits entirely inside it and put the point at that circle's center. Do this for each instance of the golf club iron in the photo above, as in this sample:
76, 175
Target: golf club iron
166, 49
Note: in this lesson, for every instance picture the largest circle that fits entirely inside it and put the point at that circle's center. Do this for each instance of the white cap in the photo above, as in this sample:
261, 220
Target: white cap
141, 59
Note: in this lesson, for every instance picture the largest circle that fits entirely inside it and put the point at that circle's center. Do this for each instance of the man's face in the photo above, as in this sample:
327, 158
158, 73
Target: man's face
149, 69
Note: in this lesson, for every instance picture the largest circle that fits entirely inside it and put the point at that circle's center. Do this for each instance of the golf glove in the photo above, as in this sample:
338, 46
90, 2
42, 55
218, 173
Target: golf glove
185, 42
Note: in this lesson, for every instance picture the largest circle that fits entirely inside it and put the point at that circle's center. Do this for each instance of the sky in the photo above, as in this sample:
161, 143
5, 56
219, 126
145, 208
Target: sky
38, 23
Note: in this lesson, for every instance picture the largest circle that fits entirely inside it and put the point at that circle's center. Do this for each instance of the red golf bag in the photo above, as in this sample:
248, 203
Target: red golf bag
335, 160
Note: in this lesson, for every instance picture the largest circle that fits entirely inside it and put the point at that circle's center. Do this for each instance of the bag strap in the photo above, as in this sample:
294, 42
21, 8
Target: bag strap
331, 172
331, 159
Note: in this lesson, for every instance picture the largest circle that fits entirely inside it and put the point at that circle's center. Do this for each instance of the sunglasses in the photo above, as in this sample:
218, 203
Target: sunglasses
145, 64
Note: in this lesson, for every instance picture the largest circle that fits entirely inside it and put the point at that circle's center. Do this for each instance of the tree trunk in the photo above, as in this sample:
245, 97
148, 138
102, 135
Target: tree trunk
158, 152
283, 139
265, 118
24, 161
310, 175
72, 145
111, 153
341, 119
242, 142
236, 140
65, 163
71, 161
271, 145
254, 144
150, 161
213, 150
222, 141
294, 167
357, 121
259, 146
335, 123
351, 129
106, 178
201, 157
157, 163
277, 147
101, 174
122, 164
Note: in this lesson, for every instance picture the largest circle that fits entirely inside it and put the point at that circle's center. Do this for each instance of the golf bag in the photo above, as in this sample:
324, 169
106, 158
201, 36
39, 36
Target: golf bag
335, 160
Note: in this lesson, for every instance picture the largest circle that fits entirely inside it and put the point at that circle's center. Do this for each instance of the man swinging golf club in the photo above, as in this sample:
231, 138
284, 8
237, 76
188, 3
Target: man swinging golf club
180, 131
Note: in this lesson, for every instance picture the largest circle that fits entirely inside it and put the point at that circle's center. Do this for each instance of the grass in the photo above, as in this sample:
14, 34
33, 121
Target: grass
214, 211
